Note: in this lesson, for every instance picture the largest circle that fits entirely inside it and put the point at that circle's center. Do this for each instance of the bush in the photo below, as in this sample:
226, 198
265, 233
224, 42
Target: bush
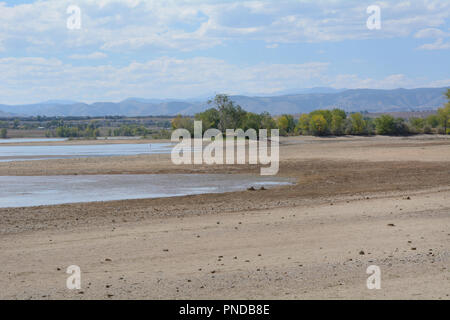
427, 129
432, 121
417, 124
440, 130
3, 133
385, 124
401, 127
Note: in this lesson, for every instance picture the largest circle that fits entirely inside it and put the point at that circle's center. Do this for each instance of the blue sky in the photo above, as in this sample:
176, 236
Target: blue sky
193, 48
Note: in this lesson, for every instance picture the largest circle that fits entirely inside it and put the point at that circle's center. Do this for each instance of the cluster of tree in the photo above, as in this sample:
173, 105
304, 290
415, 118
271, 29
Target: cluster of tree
74, 132
226, 115
129, 131
3, 133
337, 122
439, 122
90, 130
333, 122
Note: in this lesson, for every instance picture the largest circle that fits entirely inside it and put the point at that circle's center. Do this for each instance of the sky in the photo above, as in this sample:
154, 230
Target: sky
194, 48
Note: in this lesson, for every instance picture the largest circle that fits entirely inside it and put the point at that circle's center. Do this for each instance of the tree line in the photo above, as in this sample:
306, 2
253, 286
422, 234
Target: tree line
225, 114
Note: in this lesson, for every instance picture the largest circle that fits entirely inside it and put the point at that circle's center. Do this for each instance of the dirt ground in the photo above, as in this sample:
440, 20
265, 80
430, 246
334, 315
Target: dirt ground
358, 202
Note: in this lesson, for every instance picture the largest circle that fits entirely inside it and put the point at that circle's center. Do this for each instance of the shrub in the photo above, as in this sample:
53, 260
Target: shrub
427, 129
385, 124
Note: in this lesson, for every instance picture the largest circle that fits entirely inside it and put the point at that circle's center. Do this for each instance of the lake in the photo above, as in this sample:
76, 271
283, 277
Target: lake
20, 140
26, 191
23, 153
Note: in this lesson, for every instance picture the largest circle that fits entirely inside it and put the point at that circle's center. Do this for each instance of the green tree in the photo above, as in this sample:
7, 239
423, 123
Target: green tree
444, 114
286, 124
359, 125
400, 127
318, 125
267, 121
325, 113
432, 120
338, 117
417, 124
230, 115
303, 124
385, 124
209, 118
252, 121
4, 133
388, 125
181, 122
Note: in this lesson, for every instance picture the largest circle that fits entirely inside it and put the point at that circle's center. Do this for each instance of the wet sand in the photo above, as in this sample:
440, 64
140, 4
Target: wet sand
357, 202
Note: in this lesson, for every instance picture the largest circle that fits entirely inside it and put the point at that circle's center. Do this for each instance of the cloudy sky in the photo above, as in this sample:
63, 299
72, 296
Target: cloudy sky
193, 48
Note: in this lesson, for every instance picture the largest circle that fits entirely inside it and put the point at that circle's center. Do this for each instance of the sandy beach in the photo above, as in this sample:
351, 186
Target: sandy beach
358, 201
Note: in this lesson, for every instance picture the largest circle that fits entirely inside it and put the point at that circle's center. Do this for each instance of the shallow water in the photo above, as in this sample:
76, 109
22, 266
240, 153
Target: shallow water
21, 153
17, 191
19, 140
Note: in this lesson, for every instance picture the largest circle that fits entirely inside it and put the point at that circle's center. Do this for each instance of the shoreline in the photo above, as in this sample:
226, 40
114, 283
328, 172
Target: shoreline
385, 197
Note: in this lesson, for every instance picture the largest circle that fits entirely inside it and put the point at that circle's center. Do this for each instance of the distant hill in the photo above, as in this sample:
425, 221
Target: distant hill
6, 115
370, 100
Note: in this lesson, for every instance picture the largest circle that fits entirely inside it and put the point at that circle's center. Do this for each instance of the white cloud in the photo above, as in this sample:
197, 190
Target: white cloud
93, 55
170, 28
393, 81
439, 44
155, 78
198, 24
165, 76
434, 33
430, 33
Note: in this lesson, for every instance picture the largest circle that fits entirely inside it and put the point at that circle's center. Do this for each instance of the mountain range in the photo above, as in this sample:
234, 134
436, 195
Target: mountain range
306, 100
